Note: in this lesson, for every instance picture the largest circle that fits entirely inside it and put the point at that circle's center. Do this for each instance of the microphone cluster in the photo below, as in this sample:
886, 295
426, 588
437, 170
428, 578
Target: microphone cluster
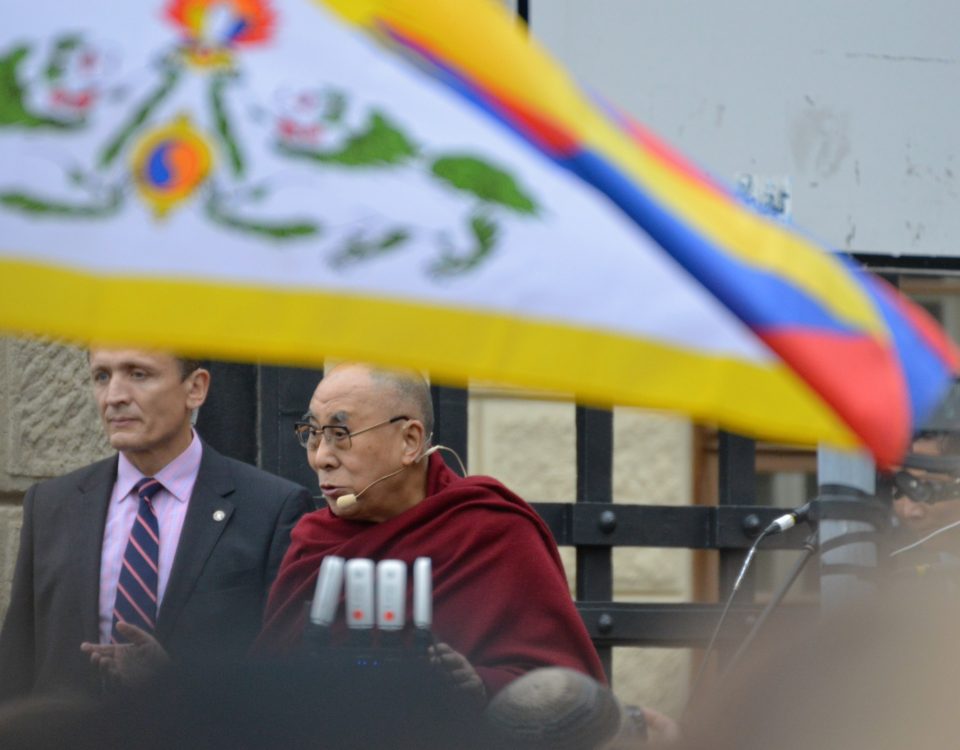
375, 598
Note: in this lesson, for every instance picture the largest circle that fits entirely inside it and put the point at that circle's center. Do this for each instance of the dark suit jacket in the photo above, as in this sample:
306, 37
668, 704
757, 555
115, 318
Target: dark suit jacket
218, 585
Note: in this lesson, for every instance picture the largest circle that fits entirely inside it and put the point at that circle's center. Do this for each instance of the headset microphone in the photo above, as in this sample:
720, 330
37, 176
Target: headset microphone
348, 501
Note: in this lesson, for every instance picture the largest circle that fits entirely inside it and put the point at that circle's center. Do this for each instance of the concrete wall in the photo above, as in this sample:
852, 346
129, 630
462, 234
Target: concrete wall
49, 426
848, 104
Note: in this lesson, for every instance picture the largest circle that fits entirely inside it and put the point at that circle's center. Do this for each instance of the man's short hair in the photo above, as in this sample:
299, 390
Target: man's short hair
187, 366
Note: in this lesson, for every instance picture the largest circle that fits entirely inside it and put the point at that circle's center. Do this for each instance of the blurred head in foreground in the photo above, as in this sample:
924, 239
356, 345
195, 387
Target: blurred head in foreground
295, 705
878, 677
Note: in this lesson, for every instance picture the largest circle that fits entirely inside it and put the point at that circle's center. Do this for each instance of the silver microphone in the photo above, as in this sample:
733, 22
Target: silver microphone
391, 594
422, 593
359, 583
326, 596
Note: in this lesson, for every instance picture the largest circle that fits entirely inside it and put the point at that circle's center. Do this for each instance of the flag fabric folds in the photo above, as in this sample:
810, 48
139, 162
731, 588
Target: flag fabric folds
415, 182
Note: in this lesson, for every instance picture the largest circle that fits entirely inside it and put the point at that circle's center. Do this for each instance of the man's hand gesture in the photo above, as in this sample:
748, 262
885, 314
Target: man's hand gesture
131, 663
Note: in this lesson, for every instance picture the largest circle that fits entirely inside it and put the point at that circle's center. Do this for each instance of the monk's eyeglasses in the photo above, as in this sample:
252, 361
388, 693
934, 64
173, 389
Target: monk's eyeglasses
334, 435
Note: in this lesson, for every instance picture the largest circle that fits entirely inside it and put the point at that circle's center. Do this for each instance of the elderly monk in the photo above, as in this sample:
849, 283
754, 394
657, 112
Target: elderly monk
501, 603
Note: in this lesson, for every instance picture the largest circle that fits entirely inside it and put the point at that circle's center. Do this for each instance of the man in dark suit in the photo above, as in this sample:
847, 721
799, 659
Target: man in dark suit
220, 529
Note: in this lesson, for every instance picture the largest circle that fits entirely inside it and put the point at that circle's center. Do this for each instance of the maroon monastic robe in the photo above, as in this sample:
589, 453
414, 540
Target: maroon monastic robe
500, 595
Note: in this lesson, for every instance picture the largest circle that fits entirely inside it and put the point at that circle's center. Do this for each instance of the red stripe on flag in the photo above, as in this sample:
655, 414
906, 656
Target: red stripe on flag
548, 135
929, 331
859, 378
665, 155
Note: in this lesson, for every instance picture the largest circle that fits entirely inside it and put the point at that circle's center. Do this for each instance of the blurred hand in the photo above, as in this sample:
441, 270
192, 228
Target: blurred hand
661, 729
643, 727
132, 663
459, 672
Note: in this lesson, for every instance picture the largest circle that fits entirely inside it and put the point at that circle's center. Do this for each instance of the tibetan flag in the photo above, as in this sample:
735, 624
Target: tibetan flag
416, 183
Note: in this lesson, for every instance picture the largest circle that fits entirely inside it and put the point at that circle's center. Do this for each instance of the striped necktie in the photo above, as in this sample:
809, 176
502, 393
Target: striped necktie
136, 601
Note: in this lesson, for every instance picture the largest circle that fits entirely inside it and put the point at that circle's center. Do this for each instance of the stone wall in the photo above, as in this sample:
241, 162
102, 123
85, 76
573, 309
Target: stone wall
10, 518
652, 465
49, 426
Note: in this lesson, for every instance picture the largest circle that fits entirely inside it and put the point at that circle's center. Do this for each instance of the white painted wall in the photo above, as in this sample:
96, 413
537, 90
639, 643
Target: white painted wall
854, 101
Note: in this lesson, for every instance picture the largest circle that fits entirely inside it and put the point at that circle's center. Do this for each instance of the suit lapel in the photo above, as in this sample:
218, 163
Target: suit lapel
86, 527
208, 514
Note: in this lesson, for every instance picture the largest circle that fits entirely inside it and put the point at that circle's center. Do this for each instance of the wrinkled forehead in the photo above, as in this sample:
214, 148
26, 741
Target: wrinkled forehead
345, 397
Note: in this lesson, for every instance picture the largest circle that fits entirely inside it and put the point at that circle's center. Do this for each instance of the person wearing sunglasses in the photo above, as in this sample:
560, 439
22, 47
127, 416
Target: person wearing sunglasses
926, 502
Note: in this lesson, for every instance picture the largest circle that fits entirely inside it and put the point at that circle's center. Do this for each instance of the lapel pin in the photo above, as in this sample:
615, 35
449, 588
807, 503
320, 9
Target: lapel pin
219, 515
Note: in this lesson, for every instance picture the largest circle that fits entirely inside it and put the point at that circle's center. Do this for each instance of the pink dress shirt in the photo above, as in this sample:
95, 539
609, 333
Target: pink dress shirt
170, 504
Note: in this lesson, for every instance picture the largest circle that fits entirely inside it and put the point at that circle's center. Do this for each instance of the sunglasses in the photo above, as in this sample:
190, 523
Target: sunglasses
927, 491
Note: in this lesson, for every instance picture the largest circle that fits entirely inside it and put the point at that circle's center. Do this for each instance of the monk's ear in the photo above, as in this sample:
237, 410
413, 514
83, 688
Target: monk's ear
413, 437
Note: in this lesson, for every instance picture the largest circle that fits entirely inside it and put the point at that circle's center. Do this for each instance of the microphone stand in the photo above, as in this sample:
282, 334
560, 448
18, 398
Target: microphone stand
809, 549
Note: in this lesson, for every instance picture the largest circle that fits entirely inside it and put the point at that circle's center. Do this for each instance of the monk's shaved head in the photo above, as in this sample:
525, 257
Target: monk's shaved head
404, 392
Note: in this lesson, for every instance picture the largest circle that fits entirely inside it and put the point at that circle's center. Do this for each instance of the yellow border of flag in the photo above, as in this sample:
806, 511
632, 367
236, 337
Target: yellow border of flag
454, 344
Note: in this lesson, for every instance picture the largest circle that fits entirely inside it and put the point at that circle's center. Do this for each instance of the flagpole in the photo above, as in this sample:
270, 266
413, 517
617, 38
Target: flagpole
523, 10
849, 540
